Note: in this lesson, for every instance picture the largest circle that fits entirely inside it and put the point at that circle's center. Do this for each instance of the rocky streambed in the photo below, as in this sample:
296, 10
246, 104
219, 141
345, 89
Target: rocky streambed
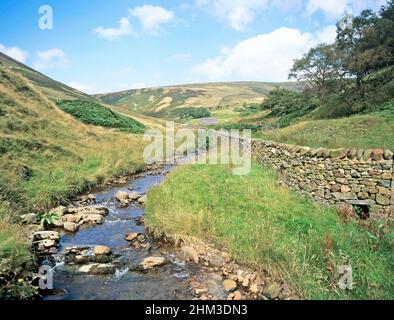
98, 248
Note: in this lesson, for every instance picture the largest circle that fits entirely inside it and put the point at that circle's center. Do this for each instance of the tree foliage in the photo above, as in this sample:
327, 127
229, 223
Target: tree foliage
356, 72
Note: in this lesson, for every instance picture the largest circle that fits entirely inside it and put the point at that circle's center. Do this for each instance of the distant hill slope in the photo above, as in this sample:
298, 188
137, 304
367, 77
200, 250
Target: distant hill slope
162, 101
48, 86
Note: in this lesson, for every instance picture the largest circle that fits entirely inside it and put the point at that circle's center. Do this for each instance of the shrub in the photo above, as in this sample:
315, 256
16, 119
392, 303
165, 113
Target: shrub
93, 113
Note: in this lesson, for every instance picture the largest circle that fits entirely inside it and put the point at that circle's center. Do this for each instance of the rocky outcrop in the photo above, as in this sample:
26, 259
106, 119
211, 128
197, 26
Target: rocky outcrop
45, 242
98, 269
125, 198
73, 218
88, 255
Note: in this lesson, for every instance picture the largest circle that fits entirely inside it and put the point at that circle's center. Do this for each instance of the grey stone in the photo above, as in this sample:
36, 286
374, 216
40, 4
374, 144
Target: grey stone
345, 196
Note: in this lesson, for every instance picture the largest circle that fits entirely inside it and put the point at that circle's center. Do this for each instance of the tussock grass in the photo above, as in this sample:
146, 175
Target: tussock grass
272, 228
13, 244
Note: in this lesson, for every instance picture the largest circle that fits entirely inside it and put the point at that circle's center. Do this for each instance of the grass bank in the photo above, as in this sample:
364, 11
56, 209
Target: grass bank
362, 131
272, 228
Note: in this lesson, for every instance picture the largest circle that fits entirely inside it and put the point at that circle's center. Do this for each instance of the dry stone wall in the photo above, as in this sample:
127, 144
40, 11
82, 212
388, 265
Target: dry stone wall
362, 178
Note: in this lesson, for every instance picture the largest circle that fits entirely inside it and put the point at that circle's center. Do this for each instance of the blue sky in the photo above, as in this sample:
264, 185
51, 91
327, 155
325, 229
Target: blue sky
101, 46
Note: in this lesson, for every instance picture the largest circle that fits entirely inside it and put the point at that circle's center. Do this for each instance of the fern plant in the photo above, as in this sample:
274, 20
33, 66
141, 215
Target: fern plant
48, 218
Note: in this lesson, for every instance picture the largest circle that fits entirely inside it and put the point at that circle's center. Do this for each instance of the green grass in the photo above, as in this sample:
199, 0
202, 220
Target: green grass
362, 131
272, 228
96, 114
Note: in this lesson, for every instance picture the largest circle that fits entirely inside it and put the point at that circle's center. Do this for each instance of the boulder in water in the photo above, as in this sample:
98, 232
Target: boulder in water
101, 251
70, 226
122, 196
152, 262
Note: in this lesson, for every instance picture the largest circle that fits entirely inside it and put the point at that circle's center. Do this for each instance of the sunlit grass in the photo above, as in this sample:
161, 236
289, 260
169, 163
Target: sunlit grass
366, 131
272, 228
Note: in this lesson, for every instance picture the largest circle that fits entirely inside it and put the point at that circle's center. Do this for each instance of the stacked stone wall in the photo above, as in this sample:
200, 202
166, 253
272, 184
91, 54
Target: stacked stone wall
362, 178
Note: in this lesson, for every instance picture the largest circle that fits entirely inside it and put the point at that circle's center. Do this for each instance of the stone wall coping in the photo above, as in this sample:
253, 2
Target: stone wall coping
377, 154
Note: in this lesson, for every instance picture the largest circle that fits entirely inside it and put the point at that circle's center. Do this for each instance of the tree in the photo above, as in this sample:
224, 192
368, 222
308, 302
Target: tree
320, 68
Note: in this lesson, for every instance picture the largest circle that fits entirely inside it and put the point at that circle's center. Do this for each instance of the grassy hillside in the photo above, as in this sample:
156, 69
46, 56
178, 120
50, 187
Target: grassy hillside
273, 229
46, 156
94, 113
375, 130
163, 101
48, 86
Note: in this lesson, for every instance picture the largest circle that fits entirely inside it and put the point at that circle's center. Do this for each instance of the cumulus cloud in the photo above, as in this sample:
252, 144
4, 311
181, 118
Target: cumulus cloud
14, 52
267, 57
335, 9
115, 33
237, 13
327, 35
50, 59
152, 17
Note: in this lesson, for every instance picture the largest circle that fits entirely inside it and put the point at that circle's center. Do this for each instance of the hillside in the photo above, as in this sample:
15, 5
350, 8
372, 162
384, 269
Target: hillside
164, 101
375, 130
48, 86
46, 155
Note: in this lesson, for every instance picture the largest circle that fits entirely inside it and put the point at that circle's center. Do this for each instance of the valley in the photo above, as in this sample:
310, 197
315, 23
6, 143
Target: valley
310, 217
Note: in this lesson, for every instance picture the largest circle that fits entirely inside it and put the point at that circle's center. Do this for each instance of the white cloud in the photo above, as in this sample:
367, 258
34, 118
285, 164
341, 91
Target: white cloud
335, 9
54, 58
288, 5
267, 57
327, 35
237, 13
123, 71
115, 33
14, 52
152, 17
86, 88
180, 57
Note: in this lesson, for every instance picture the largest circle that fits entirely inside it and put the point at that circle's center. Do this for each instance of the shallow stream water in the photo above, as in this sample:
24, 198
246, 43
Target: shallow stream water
168, 282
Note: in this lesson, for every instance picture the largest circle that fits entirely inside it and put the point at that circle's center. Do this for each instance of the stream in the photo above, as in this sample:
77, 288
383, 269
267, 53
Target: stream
168, 282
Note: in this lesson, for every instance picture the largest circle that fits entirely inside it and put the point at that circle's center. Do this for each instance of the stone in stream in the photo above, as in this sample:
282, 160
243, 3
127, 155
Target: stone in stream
139, 220
122, 196
133, 196
189, 254
70, 226
98, 269
143, 200
152, 262
229, 285
86, 255
101, 251
131, 236
93, 210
